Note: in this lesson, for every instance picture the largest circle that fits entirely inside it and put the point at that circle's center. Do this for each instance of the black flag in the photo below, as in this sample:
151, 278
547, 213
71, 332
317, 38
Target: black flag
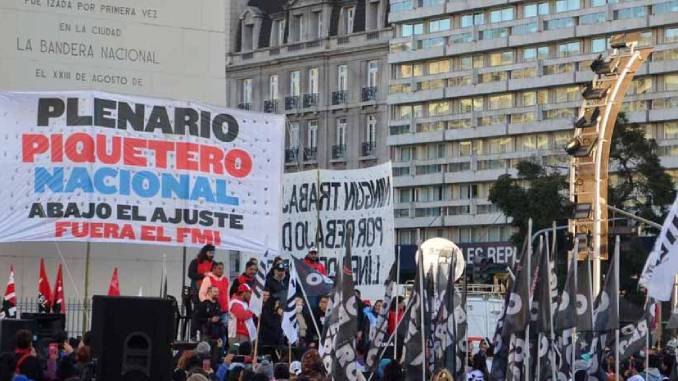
566, 316
313, 282
633, 337
543, 307
584, 302
606, 313
414, 356
339, 354
461, 323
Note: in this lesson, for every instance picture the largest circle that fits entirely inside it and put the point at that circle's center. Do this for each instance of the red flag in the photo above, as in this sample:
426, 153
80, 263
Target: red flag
114, 287
9, 302
44, 292
59, 306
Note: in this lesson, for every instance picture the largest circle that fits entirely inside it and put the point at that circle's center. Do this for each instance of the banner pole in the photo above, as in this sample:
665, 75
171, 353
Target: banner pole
397, 307
420, 270
86, 297
529, 297
256, 340
552, 337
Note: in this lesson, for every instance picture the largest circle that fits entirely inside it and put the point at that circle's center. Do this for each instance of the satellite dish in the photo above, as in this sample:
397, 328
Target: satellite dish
436, 250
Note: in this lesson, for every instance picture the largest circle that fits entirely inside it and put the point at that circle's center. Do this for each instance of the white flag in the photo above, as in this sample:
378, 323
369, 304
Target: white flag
662, 263
256, 301
290, 326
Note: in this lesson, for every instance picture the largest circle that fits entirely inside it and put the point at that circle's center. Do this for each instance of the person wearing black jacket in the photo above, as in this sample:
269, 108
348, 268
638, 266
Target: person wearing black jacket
270, 332
319, 314
208, 316
245, 278
199, 266
277, 280
27, 363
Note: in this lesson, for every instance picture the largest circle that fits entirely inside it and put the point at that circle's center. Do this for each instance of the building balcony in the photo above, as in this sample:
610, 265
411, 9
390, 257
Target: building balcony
339, 97
292, 102
311, 100
338, 152
369, 94
310, 153
369, 149
291, 154
271, 106
245, 106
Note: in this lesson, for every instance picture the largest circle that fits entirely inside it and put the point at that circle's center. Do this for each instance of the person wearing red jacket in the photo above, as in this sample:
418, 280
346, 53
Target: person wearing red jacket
396, 313
313, 261
241, 327
245, 278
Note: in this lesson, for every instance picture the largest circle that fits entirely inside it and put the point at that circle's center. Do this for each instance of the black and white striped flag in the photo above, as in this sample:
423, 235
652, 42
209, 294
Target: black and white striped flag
661, 266
256, 302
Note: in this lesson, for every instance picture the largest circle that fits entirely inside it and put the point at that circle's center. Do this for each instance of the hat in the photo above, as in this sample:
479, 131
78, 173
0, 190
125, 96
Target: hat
313, 249
265, 368
203, 349
280, 267
295, 368
244, 287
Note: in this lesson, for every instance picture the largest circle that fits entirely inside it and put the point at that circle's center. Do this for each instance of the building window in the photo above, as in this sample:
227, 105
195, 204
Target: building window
294, 135
371, 131
295, 83
246, 98
598, 45
349, 19
409, 30
499, 15
567, 5
317, 24
535, 9
278, 32
593, 18
569, 49
501, 58
297, 28
671, 35
472, 19
340, 137
372, 73
342, 77
273, 87
281, 31
312, 135
555, 24
629, 13
313, 81
248, 40
439, 25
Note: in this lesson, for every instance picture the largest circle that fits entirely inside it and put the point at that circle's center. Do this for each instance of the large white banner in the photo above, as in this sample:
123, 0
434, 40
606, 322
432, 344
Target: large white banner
92, 166
320, 205
661, 266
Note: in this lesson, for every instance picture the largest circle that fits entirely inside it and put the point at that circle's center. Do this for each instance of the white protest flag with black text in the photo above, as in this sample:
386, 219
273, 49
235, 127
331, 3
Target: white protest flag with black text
379, 339
661, 267
256, 301
290, 325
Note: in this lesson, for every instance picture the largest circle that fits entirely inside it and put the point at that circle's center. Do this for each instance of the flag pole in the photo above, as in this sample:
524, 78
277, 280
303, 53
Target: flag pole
529, 297
420, 269
397, 307
552, 337
574, 329
256, 341
616, 331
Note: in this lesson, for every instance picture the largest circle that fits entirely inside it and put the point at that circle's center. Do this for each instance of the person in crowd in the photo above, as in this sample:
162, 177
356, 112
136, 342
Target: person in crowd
281, 372
277, 280
183, 365
65, 358
396, 313
246, 277
27, 363
442, 375
7, 366
208, 316
635, 367
376, 309
312, 365
265, 368
216, 278
313, 261
652, 372
478, 368
319, 314
295, 369
199, 266
393, 372
241, 322
270, 330
303, 321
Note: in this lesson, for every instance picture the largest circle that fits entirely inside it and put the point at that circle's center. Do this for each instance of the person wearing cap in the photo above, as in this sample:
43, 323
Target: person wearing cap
241, 327
277, 280
313, 261
246, 277
295, 368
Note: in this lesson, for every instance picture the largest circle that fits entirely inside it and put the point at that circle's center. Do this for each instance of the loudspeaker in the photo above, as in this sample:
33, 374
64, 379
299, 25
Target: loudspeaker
8, 330
47, 325
132, 337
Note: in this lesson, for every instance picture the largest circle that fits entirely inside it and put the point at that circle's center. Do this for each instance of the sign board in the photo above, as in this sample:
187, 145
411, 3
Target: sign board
92, 166
320, 205
497, 252
167, 48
